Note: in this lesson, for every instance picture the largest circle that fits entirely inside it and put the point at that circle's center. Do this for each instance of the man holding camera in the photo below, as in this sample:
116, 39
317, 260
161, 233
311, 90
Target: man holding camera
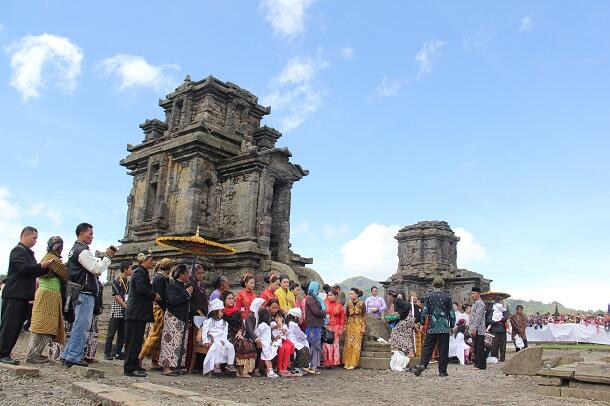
83, 269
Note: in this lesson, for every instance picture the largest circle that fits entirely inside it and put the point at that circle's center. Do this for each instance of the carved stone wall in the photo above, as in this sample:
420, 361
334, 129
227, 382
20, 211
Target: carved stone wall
428, 249
210, 164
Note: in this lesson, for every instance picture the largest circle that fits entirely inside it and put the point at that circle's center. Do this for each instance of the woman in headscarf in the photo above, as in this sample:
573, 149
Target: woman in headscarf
315, 313
152, 345
354, 329
299, 339
47, 320
251, 323
336, 323
245, 350
174, 338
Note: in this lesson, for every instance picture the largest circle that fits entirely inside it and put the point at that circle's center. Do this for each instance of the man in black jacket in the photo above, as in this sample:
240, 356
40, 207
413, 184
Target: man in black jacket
19, 291
138, 312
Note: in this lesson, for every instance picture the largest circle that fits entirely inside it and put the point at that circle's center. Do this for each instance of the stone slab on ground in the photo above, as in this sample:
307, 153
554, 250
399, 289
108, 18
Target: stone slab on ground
151, 387
194, 397
585, 394
525, 362
566, 359
376, 354
564, 371
589, 386
550, 381
604, 359
86, 372
374, 363
548, 391
21, 370
107, 395
595, 371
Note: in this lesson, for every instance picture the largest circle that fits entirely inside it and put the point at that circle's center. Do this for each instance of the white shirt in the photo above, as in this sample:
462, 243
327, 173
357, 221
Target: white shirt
296, 336
92, 264
217, 329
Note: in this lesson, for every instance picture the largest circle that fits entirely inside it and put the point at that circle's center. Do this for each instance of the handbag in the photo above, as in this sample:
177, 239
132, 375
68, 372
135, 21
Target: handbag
519, 342
72, 292
489, 338
328, 336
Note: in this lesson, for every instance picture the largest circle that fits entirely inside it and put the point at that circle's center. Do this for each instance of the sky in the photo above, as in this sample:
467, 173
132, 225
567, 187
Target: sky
490, 116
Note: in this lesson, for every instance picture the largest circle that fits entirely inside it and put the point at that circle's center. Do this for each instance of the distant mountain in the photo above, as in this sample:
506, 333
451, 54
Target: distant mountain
363, 283
533, 306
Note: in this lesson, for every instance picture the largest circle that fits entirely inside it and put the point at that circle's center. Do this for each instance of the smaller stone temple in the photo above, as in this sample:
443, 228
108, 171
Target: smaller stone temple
428, 249
211, 166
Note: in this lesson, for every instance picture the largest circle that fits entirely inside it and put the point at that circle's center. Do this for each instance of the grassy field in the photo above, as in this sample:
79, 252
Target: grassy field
575, 347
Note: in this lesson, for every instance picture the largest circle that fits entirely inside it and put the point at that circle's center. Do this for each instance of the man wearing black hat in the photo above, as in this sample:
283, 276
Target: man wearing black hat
477, 328
439, 307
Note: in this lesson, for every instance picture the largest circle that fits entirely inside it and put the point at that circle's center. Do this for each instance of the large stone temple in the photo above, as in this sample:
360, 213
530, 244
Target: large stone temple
428, 249
210, 164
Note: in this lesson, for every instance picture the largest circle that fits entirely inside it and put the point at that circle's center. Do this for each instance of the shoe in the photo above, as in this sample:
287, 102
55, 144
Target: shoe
9, 360
231, 368
120, 357
418, 370
38, 360
309, 371
108, 357
443, 374
81, 363
272, 374
136, 374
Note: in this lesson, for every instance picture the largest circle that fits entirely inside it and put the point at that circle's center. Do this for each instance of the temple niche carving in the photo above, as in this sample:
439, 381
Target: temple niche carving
211, 164
428, 249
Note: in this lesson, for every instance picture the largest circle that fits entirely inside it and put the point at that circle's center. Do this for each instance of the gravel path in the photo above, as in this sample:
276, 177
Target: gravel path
464, 386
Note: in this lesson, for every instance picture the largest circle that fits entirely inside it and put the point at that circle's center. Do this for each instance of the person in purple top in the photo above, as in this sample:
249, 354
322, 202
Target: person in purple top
375, 304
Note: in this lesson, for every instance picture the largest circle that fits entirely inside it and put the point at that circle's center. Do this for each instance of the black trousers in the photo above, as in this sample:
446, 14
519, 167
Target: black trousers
524, 345
14, 314
480, 358
134, 337
498, 346
115, 326
443, 351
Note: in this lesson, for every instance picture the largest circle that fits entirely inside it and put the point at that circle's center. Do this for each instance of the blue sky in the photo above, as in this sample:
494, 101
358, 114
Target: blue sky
493, 117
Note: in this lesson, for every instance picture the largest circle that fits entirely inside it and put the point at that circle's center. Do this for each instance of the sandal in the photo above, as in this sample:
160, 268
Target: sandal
173, 373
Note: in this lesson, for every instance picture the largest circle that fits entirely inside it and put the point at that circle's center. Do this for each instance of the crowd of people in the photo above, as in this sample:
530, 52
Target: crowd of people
538, 320
286, 330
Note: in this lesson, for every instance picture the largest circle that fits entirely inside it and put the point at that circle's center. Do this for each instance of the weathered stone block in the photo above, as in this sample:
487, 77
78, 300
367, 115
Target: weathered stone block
549, 381
548, 391
119, 398
90, 389
374, 363
525, 362
593, 371
564, 371
207, 401
377, 327
585, 394
21, 370
86, 372
589, 386
151, 387
376, 354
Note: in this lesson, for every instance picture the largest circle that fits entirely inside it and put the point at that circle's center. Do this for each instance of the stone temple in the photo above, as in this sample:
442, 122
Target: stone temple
428, 249
210, 164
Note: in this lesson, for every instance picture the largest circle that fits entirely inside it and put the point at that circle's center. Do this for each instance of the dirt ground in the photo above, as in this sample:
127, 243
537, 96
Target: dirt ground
464, 386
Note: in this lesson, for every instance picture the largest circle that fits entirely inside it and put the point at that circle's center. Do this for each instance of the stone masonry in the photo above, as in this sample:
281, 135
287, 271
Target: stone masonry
211, 164
428, 249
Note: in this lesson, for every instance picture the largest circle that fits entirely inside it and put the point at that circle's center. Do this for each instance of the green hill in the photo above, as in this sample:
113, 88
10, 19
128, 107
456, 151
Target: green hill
362, 283
533, 306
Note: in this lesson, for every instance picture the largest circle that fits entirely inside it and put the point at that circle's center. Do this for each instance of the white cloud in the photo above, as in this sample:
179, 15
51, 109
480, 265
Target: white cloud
388, 86
427, 55
2, 27
468, 250
134, 71
42, 59
295, 93
10, 227
373, 253
287, 17
346, 53
563, 291
526, 24
32, 160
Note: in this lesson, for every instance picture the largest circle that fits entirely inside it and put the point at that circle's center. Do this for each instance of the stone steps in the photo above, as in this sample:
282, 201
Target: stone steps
582, 380
376, 354
374, 363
